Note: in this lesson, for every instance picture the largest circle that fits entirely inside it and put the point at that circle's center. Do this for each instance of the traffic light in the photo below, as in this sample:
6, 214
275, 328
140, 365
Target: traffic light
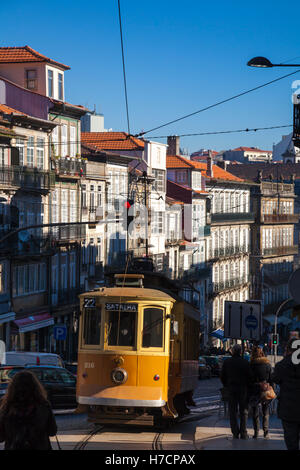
275, 339
129, 212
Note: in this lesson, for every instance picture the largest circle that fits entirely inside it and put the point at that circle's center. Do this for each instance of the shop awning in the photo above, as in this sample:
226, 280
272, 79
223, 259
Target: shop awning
219, 333
34, 322
6, 317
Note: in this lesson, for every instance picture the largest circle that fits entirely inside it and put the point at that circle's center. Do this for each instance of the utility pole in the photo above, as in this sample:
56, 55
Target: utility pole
147, 181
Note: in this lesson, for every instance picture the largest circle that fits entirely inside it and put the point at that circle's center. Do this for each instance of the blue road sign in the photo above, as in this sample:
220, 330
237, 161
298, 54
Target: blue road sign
60, 332
251, 322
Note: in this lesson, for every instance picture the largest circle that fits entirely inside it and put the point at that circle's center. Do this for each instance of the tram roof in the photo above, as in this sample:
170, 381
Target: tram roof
137, 293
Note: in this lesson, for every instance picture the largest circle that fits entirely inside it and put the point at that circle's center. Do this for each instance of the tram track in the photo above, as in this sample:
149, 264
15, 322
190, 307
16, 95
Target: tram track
81, 445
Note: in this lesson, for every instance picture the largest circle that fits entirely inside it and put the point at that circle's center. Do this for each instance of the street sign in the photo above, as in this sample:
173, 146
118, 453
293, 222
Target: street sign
60, 332
243, 320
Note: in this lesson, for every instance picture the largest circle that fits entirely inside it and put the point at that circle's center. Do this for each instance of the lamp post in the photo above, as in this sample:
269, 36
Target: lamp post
263, 62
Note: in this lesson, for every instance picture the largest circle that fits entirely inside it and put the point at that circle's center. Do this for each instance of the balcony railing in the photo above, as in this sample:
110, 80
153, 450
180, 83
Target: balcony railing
230, 283
68, 233
36, 244
70, 168
194, 273
228, 217
231, 250
275, 188
26, 178
280, 250
280, 218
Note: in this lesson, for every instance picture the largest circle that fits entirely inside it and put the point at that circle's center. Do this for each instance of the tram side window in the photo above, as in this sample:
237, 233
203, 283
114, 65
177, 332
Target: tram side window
121, 328
153, 328
91, 332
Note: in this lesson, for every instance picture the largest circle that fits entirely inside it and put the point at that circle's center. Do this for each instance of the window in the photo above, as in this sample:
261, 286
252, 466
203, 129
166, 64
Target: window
73, 146
60, 86
30, 151
83, 196
159, 183
92, 198
99, 197
153, 328
40, 153
121, 328
31, 79
64, 140
2, 156
158, 224
55, 142
92, 325
29, 279
50, 83
20, 146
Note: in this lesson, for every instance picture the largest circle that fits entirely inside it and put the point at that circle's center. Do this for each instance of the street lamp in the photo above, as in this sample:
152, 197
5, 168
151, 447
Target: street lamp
263, 62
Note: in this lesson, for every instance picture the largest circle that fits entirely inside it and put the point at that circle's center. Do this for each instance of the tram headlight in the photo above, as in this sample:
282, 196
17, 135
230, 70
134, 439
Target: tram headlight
119, 376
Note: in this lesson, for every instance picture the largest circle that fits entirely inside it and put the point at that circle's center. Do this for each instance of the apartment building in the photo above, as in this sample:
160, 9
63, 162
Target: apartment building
248, 155
225, 228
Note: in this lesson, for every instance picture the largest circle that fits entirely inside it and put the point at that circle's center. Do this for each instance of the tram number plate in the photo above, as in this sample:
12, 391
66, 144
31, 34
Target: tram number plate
89, 302
122, 307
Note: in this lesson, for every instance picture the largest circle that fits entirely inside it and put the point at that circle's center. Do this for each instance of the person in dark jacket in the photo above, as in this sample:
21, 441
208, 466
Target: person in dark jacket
287, 375
260, 371
235, 376
26, 418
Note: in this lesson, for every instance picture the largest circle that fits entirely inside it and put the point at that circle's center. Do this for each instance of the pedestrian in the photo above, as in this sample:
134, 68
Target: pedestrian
26, 418
260, 372
287, 376
235, 376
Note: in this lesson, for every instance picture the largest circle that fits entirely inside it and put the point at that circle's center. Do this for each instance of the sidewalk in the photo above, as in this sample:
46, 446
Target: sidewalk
214, 433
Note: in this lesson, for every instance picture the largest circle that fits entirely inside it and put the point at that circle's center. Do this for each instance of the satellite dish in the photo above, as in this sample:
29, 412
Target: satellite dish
294, 285
24, 236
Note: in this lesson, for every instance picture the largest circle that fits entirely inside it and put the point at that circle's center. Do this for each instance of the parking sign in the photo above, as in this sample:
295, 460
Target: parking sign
60, 332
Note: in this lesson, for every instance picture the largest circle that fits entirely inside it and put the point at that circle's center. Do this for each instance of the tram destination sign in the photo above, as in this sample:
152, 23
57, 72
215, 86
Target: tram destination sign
122, 307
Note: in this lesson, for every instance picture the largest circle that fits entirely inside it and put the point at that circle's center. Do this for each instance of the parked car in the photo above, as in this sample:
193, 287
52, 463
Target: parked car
215, 362
24, 358
71, 367
59, 383
204, 369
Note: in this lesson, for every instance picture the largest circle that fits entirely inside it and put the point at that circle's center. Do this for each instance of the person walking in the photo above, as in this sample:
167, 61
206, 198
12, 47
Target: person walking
287, 375
235, 376
26, 418
260, 371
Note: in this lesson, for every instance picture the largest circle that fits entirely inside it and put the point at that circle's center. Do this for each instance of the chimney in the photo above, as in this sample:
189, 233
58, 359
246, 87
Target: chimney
173, 145
209, 170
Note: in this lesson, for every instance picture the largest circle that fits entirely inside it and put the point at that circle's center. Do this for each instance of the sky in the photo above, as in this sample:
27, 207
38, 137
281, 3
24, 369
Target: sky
180, 56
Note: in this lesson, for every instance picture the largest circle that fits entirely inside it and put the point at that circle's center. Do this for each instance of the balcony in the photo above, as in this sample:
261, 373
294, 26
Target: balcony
194, 273
230, 284
280, 250
279, 218
69, 233
229, 251
232, 217
26, 178
73, 169
272, 188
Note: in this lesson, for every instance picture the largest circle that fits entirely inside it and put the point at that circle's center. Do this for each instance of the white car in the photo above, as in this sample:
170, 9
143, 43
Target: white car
24, 358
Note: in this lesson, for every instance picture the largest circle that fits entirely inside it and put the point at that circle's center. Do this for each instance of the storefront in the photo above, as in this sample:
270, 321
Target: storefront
32, 333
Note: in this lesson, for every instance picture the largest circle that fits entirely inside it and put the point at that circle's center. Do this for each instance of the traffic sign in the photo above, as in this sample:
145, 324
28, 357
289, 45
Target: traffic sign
60, 332
243, 320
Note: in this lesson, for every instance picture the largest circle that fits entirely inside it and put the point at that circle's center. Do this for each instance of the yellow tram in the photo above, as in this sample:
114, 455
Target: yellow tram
137, 354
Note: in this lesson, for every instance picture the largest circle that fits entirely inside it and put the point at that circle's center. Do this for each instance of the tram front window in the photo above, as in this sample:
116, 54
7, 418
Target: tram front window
92, 321
121, 328
153, 328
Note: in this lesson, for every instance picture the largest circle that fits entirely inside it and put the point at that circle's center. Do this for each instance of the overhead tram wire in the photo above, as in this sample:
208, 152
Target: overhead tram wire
124, 71
217, 104
59, 144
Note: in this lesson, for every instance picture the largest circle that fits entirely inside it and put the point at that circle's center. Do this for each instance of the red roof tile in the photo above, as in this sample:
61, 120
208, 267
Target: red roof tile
25, 54
179, 162
250, 149
8, 110
111, 141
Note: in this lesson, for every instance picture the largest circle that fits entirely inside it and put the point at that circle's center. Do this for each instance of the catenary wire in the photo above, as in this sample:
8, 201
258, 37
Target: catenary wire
218, 103
123, 62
